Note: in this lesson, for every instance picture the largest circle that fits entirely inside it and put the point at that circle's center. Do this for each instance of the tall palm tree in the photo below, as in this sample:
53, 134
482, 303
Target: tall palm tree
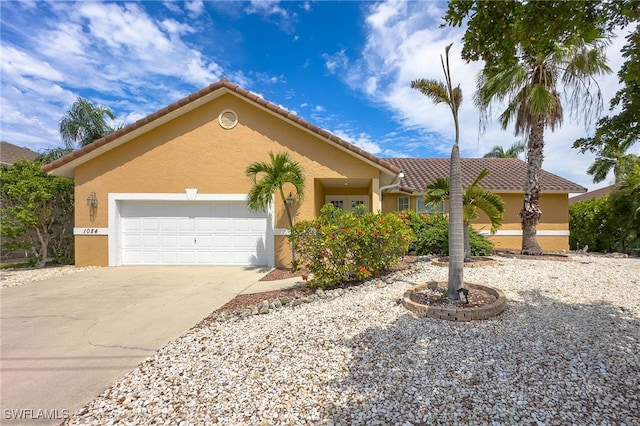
512, 152
440, 92
474, 198
530, 88
85, 123
269, 178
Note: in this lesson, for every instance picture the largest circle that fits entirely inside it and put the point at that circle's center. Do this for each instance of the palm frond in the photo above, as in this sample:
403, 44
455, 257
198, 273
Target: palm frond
433, 89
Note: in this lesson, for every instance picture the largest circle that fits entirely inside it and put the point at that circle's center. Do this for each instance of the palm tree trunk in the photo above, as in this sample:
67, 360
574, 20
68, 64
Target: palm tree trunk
286, 208
456, 231
530, 213
467, 242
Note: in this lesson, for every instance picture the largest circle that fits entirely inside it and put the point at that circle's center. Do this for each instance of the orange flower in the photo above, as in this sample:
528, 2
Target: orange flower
364, 270
332, 236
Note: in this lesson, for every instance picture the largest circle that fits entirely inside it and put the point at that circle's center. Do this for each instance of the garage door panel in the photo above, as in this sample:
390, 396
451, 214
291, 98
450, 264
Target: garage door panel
169, 224
216, 232
204, 241
150, 224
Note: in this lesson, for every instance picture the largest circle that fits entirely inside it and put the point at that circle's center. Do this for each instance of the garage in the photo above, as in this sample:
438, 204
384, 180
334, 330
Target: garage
192, 233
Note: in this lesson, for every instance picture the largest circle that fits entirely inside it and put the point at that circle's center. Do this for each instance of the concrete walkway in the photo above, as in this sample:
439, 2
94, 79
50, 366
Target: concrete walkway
65, 340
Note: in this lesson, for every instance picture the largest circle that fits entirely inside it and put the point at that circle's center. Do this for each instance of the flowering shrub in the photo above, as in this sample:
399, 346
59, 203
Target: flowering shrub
431, 235
340, 246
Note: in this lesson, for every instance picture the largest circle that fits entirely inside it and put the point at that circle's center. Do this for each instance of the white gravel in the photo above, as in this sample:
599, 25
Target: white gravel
565, 351
20, 276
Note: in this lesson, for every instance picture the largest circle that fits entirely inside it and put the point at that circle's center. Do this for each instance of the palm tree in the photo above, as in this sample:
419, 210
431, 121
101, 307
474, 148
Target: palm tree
512, 152
474, 198
440, 92
274, 175
612, 157
85, 123
530, 87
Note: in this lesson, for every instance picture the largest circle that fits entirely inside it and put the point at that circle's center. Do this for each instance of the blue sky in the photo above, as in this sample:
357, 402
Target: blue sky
343, 66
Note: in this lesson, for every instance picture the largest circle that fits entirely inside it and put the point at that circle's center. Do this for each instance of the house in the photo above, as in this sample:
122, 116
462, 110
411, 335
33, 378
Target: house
171, 187
10, 153
507, 178
591, 195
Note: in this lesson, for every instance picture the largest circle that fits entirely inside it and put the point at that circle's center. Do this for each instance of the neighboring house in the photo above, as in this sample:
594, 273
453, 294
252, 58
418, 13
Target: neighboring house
507, 178
171, 188
10, 153
596, 193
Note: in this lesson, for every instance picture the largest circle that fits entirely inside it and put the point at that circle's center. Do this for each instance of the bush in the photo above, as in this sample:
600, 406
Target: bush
340, 246
431, 235
36, 213
587, 224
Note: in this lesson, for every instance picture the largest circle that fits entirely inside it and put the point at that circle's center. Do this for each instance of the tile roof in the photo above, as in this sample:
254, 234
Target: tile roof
596, 193
230, 87
10, 153
505, 174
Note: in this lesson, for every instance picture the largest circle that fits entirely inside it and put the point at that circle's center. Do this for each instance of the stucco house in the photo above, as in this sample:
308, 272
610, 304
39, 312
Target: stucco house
171, 187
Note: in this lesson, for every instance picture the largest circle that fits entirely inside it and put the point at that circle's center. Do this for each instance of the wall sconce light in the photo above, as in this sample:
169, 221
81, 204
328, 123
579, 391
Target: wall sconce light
92, 203
290, 200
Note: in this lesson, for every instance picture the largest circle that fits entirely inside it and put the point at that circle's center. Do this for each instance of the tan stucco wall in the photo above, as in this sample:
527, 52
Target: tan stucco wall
555, 217
194, 151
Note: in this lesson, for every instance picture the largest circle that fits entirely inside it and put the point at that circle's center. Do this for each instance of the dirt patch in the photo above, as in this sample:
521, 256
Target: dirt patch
244, 301
438, 297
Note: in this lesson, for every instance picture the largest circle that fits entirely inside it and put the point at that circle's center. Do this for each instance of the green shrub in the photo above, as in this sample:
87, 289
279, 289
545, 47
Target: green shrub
339, 246
587, 220
431, 235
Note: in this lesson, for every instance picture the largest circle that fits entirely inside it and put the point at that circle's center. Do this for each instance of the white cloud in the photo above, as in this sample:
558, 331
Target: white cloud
336, 62
138, 63
404, 42
16, 63
174, 27
195, 8
266, 8
361, 140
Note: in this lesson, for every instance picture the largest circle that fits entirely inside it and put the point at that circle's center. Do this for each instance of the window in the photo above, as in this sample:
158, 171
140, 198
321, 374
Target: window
347, 202
403, 203
421, 208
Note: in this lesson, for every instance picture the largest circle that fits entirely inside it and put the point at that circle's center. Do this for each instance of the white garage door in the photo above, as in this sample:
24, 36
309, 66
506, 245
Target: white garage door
192, 233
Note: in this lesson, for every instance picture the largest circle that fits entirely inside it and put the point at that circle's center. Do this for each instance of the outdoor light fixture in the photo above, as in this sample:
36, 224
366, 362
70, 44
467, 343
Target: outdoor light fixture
92, 203
92, 200
290, 199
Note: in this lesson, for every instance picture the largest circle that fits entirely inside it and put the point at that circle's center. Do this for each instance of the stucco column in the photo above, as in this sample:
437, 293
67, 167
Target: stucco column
375, 195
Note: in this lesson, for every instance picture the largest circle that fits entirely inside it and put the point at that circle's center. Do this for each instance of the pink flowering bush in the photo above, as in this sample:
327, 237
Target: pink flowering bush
340, 246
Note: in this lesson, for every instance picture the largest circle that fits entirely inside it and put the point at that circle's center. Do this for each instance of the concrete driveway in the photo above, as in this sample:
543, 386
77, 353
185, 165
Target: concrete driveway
66, 339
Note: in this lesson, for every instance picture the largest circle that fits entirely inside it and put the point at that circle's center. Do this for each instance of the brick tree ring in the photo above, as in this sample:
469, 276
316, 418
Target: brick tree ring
476, 261
450, 310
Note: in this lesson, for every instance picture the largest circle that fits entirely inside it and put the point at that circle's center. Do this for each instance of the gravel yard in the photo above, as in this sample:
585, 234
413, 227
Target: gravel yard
565, 351
16, 277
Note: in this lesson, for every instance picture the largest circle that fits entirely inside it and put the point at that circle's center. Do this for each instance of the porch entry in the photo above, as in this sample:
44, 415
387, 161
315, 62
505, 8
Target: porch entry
347, 202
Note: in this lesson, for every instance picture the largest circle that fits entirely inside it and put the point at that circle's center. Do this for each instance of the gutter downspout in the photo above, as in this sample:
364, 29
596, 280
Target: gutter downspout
395, 184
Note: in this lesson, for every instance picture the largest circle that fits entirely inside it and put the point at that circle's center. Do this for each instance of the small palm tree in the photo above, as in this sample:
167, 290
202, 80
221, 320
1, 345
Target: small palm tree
85, 123
512, 152
474, 198
269, 178
445, 93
